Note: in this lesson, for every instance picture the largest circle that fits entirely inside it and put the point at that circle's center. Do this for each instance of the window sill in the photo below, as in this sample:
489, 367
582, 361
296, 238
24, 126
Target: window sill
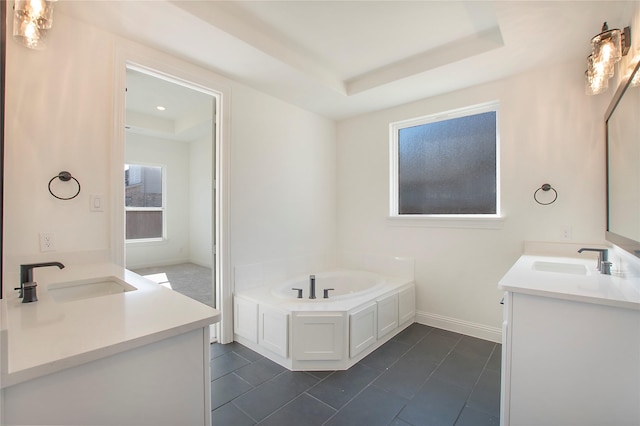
147, 241
448, 221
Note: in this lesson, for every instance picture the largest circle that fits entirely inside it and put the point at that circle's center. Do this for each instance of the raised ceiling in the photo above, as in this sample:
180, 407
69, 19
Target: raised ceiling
187, 114
343, 58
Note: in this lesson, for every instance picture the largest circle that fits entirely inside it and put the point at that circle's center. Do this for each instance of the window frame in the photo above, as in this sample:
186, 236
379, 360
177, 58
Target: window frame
494, 220
163, 209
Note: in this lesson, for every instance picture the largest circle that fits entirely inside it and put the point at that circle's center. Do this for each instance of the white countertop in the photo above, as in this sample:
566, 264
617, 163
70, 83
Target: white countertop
591, 287
47, 336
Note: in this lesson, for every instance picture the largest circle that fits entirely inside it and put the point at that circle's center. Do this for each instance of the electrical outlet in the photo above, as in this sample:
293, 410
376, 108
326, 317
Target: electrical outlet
566, 233
47, 242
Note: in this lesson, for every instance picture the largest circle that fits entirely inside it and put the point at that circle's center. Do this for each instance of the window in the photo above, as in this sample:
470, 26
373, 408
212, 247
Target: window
446, 165
144, 202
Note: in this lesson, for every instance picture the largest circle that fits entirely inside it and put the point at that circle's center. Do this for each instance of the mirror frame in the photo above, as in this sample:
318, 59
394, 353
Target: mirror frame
3, 54
627, 244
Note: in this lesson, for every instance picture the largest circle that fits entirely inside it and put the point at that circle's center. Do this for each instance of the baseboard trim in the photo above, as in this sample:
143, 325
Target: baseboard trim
481, 331
157, 263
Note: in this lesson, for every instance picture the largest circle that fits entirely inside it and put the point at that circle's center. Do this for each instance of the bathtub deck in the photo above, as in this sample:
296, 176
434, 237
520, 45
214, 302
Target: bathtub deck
422, 373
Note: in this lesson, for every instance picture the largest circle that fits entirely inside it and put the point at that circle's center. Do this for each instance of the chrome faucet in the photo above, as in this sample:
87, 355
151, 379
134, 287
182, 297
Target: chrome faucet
312, 286
604, 266
27, 284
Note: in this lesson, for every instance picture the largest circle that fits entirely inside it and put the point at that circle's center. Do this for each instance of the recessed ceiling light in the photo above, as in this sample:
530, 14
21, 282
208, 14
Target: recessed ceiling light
160, 108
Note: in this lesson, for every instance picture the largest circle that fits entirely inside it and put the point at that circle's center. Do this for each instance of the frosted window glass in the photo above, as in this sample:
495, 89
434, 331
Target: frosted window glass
448, 167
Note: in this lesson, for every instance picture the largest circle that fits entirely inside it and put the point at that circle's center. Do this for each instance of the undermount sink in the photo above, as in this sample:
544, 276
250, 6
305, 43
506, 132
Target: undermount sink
560, 267
87, 289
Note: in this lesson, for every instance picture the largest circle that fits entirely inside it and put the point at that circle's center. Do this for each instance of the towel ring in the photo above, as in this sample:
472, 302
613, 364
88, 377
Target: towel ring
65, 177
545, 187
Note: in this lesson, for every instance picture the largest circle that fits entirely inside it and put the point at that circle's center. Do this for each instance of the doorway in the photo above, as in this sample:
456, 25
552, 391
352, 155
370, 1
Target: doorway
175, 72
169, 184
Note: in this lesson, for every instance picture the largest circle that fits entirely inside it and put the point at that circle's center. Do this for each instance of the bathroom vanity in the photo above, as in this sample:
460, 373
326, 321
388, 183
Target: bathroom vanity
571, 345
88, 352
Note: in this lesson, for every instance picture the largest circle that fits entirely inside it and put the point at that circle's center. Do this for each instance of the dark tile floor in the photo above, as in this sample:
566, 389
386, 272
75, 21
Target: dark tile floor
423, 376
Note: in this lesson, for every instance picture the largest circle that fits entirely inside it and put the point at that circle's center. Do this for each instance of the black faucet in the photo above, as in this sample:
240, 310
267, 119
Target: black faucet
604, 266
312, 286
326, 292
27, 284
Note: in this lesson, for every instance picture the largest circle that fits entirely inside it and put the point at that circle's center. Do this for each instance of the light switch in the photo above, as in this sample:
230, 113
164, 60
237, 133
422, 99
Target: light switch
97, 203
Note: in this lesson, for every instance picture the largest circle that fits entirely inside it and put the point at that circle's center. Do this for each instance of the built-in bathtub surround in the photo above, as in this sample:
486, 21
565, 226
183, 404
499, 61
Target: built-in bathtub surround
303, 333
248, 276
362, 310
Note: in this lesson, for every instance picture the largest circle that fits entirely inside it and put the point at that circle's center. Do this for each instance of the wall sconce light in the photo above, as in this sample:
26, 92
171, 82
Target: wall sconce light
607, 48
31, 21
635, 81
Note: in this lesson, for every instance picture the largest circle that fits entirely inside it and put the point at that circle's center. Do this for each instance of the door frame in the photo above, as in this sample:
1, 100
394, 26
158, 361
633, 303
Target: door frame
161, 65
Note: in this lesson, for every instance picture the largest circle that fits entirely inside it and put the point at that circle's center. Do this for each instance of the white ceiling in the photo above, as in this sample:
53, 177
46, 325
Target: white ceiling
187, 115
343, 58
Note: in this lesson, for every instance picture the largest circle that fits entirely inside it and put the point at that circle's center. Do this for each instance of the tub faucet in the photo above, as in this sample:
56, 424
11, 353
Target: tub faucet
27, 284
604, 266
326, 292
312, 286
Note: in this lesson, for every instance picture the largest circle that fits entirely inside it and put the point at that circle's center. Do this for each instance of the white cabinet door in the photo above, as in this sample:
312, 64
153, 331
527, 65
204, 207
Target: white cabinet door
362, 329
406, 305
319, 336
245, 318
274, 330
387, 314
573, 363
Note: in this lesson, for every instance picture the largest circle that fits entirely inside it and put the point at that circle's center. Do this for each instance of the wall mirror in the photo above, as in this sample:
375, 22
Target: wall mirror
3, 54
623, 166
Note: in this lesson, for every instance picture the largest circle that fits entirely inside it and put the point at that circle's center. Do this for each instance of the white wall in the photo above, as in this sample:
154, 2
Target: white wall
58, 117
284, 180
174, 157
200, 201
285, 199
550, 132
59, 105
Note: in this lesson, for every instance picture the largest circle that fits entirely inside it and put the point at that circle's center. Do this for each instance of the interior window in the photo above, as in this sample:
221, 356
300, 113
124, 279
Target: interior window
144, 202
446, 164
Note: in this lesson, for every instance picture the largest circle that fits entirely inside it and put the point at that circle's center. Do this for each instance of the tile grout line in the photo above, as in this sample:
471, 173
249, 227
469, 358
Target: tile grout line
378, 376
272, 378
254, 388
438, 366
484, 367
431, 374
370, 384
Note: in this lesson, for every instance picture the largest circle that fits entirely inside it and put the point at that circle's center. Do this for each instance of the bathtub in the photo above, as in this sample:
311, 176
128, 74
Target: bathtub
342, 285
363, 311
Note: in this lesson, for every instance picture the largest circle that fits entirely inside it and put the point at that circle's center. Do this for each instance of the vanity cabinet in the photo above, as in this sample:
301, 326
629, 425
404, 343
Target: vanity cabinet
139, 357
568, 362
161, 383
